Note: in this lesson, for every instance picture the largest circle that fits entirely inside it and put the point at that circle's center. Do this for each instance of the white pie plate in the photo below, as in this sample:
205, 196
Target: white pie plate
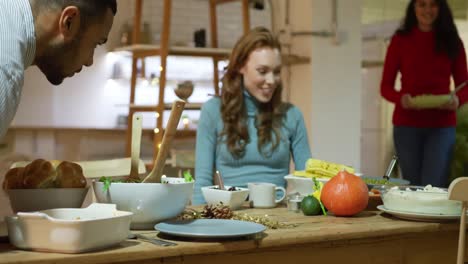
69, 230
419, 216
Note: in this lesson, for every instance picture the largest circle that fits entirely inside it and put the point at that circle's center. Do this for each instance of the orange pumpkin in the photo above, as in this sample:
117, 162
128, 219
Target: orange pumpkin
345, 194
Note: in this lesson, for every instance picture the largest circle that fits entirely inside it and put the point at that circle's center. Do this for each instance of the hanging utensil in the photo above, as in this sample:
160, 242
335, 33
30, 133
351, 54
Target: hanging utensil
171, 129
137, 121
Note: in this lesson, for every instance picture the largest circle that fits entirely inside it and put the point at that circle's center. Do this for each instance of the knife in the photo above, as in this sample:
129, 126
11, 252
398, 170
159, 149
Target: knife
459, 87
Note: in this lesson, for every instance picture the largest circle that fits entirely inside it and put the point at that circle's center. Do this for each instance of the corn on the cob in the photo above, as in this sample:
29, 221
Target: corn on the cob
430, 100
316, 168
306, 174
325, 168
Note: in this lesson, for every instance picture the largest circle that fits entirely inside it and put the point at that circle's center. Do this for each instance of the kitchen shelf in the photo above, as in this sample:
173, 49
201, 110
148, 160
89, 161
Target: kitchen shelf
153, 108
147, 50
371, 63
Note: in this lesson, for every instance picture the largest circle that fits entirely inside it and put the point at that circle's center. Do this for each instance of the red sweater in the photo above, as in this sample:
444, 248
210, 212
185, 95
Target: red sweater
423, 71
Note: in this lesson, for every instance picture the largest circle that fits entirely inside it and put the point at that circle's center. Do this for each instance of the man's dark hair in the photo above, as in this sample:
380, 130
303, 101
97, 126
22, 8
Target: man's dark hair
90, 10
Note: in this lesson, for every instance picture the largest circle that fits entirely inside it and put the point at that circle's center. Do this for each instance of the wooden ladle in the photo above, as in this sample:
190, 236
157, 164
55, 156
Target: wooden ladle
137, 121
458, 191
171, 129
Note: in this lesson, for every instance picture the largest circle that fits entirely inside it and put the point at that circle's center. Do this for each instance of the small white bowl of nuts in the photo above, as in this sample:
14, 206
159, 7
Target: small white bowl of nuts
231, 196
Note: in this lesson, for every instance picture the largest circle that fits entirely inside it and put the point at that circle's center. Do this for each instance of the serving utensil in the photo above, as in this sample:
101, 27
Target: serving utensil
219, 180
137, 121
153, 240
171, 129
390, 167
458, 191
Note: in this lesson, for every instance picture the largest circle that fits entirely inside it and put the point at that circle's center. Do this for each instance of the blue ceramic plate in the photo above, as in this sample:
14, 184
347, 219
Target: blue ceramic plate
209, 228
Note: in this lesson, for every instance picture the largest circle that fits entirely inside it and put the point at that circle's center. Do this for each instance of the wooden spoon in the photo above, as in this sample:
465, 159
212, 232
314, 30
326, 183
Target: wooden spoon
171, 129
458, 191
135, 151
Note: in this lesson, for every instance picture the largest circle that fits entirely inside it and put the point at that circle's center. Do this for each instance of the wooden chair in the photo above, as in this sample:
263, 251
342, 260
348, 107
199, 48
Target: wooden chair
458, 190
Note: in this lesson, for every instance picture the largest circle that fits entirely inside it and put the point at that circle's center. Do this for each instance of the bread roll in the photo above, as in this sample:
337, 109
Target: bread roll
39, 174
70, 175
45, 174
13, 179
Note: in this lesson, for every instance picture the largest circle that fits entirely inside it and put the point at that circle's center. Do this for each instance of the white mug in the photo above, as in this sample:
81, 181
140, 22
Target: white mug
263, 195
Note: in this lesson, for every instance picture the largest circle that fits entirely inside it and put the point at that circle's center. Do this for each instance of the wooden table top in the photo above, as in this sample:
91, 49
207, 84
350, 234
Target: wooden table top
309, 229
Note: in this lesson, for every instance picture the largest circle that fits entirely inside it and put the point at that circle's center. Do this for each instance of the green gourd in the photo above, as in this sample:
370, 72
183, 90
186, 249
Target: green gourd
430, 100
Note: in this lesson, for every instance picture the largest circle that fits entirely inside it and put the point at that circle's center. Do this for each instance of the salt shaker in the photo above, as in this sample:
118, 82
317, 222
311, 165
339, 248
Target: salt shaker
294, 202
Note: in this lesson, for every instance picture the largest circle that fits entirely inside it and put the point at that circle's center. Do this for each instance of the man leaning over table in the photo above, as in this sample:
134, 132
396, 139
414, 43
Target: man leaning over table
58, 36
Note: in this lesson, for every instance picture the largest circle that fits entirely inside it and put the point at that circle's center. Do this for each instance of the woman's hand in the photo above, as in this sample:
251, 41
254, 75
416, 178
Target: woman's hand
406, 102
451, 105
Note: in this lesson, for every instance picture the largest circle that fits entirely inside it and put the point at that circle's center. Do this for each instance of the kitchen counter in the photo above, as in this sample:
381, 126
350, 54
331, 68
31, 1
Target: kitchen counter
369, 238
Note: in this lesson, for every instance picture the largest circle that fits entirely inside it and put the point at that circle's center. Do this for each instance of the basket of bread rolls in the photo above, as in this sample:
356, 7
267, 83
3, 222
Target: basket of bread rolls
43, 184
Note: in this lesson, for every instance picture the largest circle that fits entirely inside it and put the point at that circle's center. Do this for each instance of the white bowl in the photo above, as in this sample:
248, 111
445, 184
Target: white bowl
150, 203
301, 185
69, 230
28, 200
233, 199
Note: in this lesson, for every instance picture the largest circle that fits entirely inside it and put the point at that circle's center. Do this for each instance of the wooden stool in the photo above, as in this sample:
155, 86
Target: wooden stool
458, 190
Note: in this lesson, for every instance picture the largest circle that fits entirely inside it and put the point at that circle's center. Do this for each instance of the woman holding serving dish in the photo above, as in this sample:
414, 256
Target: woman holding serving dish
249, 134
427, 51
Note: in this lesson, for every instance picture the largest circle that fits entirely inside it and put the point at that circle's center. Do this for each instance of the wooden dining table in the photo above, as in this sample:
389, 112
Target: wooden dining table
372, 237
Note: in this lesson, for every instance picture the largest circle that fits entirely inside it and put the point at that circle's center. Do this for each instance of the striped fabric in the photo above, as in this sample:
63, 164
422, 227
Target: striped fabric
17, 50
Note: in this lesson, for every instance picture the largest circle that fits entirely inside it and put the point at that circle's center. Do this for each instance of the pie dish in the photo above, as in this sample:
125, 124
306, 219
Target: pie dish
420, 200
69, 230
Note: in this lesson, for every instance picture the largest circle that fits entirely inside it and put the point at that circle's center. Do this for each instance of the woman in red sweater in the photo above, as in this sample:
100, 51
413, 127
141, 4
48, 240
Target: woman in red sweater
427, 51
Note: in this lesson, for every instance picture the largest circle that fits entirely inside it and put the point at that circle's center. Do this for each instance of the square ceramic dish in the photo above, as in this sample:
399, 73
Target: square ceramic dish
69, 230
233, 199
301, 185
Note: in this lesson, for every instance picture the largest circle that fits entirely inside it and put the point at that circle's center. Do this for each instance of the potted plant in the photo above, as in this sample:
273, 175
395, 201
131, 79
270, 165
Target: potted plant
459, 166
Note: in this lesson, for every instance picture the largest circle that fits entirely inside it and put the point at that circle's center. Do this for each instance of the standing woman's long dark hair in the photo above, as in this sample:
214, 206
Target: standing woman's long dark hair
446, 34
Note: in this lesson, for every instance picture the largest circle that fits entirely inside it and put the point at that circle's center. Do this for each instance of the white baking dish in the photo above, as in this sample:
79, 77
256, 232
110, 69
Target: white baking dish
69, 230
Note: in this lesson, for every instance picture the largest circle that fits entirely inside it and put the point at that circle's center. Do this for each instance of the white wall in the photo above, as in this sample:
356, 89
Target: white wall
336, 84
80, 101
